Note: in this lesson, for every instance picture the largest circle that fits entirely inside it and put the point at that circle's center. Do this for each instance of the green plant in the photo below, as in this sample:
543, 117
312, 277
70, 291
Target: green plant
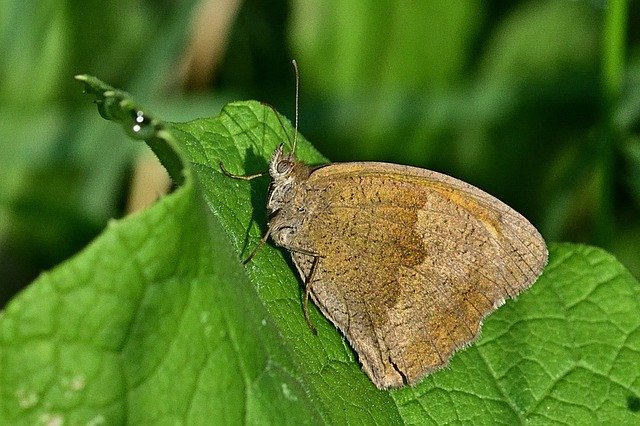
157, 320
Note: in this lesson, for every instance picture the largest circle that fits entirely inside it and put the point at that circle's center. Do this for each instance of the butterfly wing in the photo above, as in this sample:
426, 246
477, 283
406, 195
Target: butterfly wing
409, 263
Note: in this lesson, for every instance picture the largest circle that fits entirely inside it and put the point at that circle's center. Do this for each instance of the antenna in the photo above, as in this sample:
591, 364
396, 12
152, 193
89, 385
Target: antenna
295, 135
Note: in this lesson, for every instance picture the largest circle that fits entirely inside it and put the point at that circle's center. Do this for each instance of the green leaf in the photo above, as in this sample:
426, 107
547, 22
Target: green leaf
158, 321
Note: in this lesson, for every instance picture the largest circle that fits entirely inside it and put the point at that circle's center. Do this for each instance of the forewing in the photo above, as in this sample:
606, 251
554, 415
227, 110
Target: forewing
410, 262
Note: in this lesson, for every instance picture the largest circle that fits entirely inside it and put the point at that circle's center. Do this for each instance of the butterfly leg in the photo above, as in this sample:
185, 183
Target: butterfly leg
241, 177
263, 240
307, 290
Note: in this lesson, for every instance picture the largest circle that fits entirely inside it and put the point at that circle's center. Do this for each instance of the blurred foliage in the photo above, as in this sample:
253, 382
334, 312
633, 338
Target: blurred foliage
537, 102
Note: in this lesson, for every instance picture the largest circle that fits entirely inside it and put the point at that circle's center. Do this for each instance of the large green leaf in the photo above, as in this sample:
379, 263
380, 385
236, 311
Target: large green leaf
157, 321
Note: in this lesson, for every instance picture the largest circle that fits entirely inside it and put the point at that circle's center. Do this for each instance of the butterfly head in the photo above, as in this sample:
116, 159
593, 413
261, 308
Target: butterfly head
287, 173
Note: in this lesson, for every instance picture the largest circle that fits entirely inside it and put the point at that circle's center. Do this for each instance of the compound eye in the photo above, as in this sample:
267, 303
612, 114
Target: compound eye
283, 166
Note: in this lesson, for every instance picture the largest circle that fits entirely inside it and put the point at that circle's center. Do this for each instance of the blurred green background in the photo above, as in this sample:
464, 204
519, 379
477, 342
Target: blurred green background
536, 102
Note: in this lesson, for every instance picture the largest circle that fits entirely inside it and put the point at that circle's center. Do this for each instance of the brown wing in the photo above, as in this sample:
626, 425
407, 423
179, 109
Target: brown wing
411, 261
